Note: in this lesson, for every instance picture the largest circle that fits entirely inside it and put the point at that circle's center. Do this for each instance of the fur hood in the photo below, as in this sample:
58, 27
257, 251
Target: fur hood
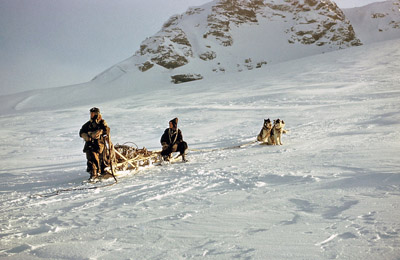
174, 122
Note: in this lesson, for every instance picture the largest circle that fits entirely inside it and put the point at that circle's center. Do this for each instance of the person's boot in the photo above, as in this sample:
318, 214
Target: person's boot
166, 158
184, 158
93, 175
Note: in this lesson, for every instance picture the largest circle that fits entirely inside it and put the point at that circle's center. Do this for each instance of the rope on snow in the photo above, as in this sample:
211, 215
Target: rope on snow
58, 192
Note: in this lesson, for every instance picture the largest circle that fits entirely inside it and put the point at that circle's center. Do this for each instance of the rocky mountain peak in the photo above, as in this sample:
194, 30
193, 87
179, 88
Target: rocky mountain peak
236, 35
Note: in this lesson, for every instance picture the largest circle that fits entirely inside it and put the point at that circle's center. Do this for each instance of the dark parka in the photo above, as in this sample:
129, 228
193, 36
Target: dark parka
172, 140
90, 128
171, 137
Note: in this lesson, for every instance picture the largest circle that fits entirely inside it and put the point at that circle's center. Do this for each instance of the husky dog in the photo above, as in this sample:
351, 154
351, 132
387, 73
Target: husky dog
265, 132
277, 131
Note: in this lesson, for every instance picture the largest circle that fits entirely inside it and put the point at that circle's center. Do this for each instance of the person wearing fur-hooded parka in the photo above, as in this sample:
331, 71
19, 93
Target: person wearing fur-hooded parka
94, 133
172, 141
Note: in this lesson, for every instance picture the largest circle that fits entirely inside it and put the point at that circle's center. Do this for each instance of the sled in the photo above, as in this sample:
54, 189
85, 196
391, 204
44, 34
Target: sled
130, 158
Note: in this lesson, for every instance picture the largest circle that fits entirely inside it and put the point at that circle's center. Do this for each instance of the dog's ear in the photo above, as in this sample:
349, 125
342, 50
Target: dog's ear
283, 122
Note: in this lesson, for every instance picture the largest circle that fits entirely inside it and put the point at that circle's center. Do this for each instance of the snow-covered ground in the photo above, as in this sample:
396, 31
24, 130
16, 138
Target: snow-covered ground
332, 191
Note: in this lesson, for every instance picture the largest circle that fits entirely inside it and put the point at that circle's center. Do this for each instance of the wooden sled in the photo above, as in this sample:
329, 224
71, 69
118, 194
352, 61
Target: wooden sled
130, 158
127, 160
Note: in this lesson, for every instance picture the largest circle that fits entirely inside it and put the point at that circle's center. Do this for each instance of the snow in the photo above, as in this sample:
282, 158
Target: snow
331, 191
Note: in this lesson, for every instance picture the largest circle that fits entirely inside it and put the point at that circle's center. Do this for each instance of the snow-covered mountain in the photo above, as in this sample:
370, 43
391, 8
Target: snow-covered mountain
224, 37
236, 35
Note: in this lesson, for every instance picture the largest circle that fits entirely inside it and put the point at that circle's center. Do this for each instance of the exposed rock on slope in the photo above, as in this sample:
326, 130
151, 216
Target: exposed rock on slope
376, 22
169, 49
320, 23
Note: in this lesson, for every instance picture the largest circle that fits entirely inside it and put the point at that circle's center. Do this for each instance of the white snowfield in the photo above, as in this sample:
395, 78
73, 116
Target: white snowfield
332, 191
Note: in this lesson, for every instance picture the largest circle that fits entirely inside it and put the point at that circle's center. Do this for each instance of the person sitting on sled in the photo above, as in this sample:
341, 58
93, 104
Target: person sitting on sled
172, 141
94, 132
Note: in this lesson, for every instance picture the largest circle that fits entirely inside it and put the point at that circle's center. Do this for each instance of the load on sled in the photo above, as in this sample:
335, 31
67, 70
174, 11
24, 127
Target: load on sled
125, 157
122, 159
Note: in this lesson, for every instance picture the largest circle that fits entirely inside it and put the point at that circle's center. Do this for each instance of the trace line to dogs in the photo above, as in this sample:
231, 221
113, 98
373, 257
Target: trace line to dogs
223, 148
58, 192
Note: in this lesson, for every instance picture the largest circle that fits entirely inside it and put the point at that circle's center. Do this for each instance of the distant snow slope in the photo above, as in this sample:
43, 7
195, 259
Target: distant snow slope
332, 191
376, 22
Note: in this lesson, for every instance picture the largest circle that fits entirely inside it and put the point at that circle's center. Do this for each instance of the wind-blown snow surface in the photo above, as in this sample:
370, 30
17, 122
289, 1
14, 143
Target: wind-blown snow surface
331, 191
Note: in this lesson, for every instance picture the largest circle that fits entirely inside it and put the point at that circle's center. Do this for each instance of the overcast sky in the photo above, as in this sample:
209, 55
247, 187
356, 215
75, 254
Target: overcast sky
51, 43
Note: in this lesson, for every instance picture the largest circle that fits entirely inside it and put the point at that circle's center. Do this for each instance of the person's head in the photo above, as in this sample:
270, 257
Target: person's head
94, 113
173, 124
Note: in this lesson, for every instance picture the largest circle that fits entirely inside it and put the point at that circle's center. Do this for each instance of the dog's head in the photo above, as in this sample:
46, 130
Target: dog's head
278, 123
267, 124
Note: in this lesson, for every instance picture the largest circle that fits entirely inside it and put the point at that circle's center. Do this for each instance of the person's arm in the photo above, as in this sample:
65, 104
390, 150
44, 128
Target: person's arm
164, 137
84, 132
105, 128
180, 136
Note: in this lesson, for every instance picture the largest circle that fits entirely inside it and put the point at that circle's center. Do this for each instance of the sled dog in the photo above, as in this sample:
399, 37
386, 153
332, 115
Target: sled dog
265, 132
277, 131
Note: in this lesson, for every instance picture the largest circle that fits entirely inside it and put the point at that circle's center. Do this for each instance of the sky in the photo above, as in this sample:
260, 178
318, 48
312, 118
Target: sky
52, 43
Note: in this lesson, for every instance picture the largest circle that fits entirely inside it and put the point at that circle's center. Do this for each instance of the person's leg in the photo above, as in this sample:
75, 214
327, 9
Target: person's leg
182, 147
165, 153
93, 164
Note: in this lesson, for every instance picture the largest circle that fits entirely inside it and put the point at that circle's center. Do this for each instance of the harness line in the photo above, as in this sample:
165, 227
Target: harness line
224, 148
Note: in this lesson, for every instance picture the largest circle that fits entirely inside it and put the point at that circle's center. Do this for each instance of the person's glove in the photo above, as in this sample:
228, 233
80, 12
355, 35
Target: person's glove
86, 137
164, 145
96, 135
